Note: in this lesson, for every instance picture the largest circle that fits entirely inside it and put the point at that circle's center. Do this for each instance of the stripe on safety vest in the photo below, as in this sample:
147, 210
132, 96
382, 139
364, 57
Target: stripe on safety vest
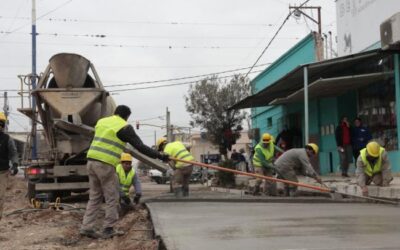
106, 151
116, 144
179, 152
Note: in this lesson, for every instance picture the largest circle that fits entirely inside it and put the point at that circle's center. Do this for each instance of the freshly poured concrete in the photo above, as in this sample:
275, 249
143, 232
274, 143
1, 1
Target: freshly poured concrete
214, 225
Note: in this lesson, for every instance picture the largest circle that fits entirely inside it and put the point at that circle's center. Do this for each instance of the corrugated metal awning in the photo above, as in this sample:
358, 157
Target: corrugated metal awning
351, 65
333, 87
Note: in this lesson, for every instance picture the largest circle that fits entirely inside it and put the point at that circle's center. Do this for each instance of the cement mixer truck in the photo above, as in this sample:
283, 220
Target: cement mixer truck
70, 98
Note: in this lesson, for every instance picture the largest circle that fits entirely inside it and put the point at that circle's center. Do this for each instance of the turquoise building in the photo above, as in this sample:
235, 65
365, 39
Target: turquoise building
308, 97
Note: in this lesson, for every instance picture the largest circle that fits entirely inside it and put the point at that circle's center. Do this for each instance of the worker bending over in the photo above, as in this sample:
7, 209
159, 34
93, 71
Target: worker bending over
110, 138
263, 164
182, 171
373, 166
128, 177
296, 161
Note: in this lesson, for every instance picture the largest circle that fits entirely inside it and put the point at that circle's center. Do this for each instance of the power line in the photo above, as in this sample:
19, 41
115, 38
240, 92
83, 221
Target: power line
151, 87
105, 45
174, 23
168, 80
45, 14
273, 38
141, 36
173, 84
185, 77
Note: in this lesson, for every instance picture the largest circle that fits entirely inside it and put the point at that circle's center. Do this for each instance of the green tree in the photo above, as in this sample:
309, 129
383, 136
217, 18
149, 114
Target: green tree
208, 101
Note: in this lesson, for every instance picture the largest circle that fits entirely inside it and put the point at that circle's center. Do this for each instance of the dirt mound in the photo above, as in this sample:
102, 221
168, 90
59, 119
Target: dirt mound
50, 229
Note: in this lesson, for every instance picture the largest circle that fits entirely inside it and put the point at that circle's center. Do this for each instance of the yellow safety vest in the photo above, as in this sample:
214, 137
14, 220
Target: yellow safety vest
371, 170
178, 150
106, 147
125, 180
267, 152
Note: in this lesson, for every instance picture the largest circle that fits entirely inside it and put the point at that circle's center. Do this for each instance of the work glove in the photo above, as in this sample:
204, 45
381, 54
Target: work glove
14, 169
136, 199
126, 200
164, 157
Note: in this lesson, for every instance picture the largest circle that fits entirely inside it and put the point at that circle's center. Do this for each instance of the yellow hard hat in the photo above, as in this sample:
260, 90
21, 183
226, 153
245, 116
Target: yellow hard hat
266, 137
314, 147
126, 157
373, 149
3, 117
160, 141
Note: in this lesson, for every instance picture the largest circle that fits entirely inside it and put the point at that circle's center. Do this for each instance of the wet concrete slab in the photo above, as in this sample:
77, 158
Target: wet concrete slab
242, 225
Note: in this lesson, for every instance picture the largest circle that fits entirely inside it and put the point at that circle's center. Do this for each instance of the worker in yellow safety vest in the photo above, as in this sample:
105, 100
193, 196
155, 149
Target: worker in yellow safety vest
373, 165
127, 177
263, 159
182, 171
111, 135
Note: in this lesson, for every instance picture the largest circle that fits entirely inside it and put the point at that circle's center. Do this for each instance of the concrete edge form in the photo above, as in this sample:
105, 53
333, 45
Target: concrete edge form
156, 228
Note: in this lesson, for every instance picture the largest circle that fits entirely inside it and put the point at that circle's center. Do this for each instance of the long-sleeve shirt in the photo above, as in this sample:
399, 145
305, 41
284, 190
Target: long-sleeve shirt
128, 134
295, 159
385, 171
12, 151
136, 183
360, 137
12, 154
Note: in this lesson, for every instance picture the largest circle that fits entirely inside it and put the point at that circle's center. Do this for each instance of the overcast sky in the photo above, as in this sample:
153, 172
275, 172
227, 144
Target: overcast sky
149, 40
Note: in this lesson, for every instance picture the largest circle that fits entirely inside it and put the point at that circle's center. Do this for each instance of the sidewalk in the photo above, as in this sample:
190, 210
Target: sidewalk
346, 185
349, 186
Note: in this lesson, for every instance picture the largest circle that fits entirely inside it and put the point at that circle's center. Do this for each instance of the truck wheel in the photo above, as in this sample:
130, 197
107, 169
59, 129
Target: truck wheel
158, 180
31, 191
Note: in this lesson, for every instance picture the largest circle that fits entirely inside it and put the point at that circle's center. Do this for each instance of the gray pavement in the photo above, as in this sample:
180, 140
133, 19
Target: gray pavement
219, 225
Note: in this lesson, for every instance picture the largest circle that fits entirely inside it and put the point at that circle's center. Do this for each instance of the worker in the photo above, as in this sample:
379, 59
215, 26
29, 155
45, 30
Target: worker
294, 161
182, 171
373, 165
127, 177
111, 135
263, 164
8, 152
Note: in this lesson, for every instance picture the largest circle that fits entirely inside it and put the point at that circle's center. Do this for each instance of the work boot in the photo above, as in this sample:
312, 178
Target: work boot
178, 192
90, 233
109, 232
256, 191
292, 192
271, 190
185, 191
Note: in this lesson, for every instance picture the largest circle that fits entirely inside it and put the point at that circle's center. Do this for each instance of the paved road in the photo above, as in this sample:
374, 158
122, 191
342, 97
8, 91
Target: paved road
205, 225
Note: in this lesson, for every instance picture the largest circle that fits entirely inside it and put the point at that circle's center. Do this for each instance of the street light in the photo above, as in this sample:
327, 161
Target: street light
297, 12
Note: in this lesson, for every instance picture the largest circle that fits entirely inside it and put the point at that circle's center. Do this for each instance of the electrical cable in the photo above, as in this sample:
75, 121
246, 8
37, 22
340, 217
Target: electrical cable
174, 23
45, 14
273, 37
165, 80
143, 36
170, 85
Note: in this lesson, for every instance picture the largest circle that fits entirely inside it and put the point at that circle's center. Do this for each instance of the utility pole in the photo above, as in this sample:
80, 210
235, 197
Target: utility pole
298, 12
168, 127
6, 109
33, 80
330, 43
155, 137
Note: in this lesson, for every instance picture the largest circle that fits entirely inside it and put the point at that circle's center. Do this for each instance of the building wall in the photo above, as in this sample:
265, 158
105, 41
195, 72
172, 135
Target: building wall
358, 23
302, 53
201, 146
